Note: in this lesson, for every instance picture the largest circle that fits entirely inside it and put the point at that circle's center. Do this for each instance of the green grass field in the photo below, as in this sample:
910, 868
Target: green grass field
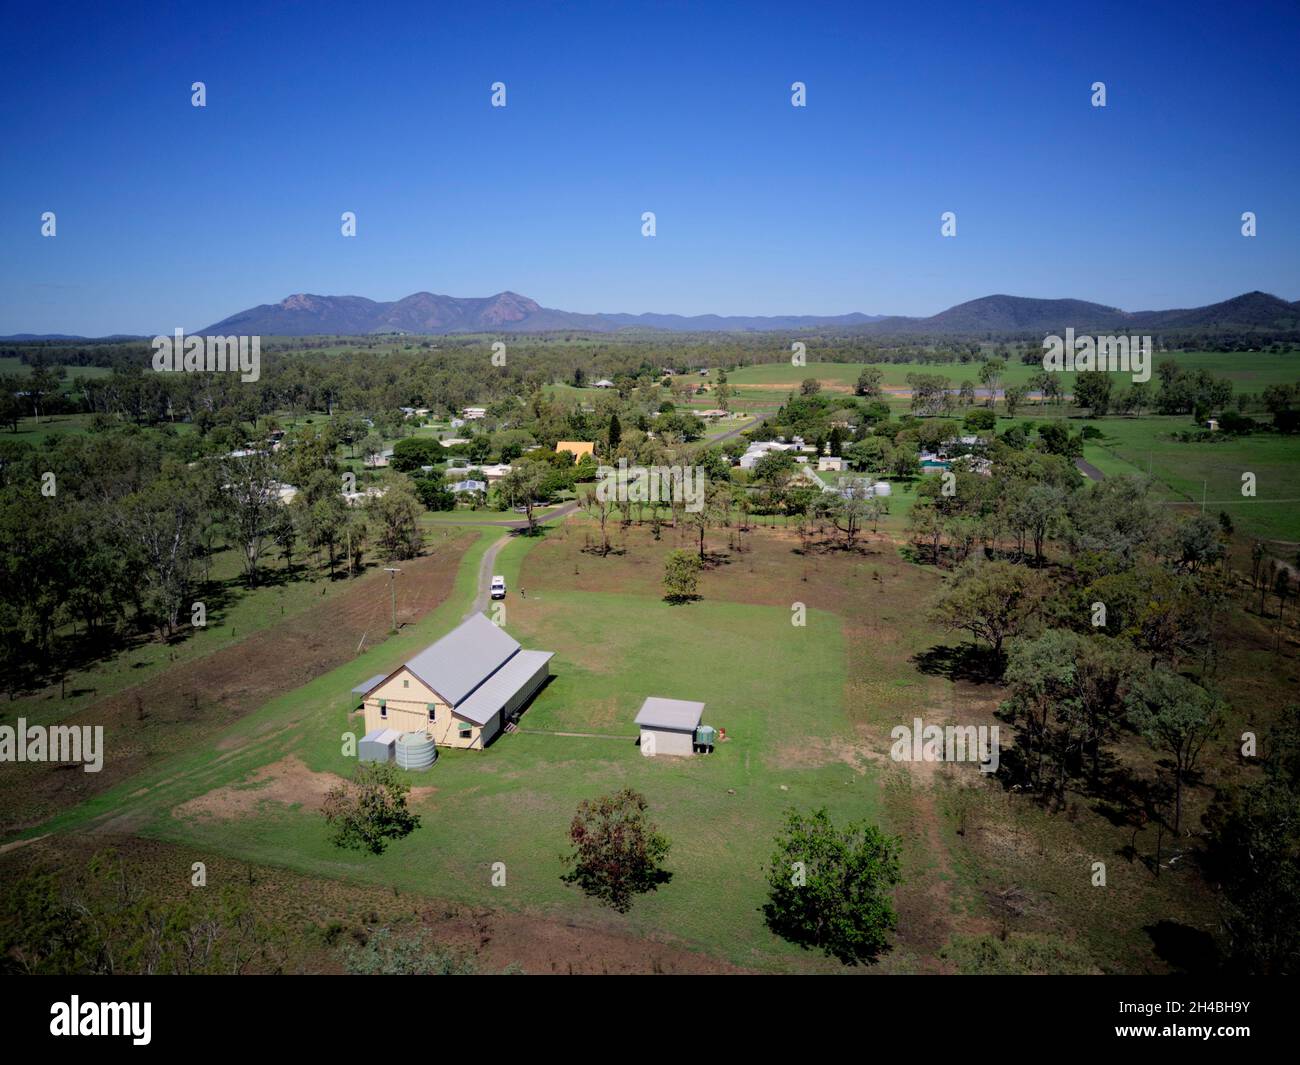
1249, 371
11, 364
1213, 471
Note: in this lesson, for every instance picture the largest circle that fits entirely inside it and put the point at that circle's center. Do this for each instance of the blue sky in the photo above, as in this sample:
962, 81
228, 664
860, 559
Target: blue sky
170, 215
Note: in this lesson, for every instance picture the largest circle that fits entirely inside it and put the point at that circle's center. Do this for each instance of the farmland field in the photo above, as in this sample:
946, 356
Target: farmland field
1248, 371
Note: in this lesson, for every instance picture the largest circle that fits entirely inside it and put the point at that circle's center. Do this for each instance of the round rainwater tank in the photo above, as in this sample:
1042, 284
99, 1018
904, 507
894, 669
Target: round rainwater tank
881, 488
415, 751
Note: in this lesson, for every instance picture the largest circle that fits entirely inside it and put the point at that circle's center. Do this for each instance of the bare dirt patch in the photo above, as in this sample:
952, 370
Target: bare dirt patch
288, 782
815, 751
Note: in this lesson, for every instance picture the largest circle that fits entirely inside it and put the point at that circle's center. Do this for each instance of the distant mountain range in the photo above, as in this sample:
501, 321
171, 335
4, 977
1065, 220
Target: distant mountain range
425, 313
508, 312
1018, 314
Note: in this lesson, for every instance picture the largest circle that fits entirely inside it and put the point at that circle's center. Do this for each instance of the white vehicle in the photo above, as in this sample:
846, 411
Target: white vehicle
498, 587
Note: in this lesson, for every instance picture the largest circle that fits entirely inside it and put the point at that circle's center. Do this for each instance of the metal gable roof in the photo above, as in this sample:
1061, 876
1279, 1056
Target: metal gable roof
463, 659
677, 714
502, 686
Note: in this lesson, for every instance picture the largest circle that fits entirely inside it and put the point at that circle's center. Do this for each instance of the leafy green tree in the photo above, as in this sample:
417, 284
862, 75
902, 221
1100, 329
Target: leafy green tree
681, 576
1177, 717
479, 449
284, 532
321, 513
397, 517
1254, 853
1055, 439
1070, 690
434, 495
1092, 392
251, 501
991, 377
989, 600
367, 812
522, 486
1013, 396
618, 852
869, 382
849, 510
163, 523
828, 888
412, 452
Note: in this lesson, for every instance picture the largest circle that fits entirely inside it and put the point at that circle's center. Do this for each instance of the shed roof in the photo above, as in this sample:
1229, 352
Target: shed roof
368, 685
502, 686
458, 663
678, 714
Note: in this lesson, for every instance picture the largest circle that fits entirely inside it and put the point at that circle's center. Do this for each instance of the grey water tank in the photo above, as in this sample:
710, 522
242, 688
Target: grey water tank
416, 751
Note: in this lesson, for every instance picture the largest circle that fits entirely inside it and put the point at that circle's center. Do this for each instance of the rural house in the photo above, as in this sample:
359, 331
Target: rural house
577, 448
460, 690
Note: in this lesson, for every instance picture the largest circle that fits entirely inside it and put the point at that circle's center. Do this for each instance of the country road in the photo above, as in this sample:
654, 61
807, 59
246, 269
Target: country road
735, 432
562, 511
489, 559
1088, 470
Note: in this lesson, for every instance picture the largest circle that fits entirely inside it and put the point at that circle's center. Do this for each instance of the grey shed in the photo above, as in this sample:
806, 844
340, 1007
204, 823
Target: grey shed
668, 726
377, 746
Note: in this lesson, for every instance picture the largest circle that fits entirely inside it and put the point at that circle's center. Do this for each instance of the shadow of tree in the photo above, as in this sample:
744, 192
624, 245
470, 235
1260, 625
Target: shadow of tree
965, 661
1185, 949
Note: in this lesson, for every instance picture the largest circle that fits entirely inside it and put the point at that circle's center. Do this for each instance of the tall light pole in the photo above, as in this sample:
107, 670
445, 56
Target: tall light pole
392, 572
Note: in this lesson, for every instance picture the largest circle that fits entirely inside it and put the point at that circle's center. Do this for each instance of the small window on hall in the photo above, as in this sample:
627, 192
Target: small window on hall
465, 729
383, 707
431, 709
405, 683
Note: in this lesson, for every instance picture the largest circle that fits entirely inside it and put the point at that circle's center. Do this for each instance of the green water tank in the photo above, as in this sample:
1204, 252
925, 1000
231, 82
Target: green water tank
416, 751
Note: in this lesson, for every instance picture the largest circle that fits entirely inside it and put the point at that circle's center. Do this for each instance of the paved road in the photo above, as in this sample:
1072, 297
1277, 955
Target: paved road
562, 511
734, 432
1088, 470
489, 560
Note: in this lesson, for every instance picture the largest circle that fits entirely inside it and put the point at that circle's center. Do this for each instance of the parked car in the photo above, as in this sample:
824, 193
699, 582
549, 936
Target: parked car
498, 587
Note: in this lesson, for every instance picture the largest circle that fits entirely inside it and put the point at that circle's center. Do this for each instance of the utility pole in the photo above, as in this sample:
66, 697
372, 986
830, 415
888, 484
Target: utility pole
392, 572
